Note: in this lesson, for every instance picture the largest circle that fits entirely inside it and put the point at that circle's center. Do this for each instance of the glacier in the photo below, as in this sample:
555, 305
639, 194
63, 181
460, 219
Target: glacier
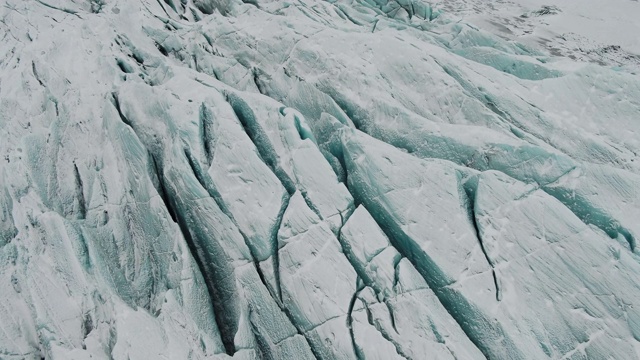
342, 179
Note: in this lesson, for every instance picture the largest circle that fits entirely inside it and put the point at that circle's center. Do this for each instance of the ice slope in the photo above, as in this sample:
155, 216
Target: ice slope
570, 28
350, 179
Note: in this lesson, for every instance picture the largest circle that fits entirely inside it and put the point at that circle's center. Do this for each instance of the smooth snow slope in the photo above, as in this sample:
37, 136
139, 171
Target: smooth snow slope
350, 179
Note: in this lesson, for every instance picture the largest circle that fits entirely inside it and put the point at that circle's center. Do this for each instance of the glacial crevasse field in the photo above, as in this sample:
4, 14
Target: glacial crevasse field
306, 179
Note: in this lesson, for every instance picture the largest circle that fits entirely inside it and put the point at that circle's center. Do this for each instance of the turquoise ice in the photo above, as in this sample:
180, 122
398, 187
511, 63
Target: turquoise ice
341, 179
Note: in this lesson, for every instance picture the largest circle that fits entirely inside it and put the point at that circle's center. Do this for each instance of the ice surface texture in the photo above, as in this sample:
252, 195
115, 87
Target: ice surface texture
350, 179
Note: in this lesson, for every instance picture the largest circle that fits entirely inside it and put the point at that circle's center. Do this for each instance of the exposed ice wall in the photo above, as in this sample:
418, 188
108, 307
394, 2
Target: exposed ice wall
309, 180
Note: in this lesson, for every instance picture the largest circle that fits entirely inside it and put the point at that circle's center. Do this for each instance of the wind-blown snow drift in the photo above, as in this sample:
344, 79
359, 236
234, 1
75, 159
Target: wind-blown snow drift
353, 179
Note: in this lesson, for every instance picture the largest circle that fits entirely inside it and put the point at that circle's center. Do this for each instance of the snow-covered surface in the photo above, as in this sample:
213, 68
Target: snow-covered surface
348, 179
600, 31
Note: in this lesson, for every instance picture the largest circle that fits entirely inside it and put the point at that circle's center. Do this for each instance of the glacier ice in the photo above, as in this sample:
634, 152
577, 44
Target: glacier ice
344, 179
409, 315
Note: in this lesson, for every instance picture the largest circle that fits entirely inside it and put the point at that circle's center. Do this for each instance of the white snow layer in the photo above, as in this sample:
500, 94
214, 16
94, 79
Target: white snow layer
344, 179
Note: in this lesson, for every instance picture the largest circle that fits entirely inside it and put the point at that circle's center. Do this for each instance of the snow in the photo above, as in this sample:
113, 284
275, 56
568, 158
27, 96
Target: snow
345, 179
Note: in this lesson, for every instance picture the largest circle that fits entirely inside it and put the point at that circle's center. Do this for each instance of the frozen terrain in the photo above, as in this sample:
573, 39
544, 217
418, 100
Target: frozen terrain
306, 179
